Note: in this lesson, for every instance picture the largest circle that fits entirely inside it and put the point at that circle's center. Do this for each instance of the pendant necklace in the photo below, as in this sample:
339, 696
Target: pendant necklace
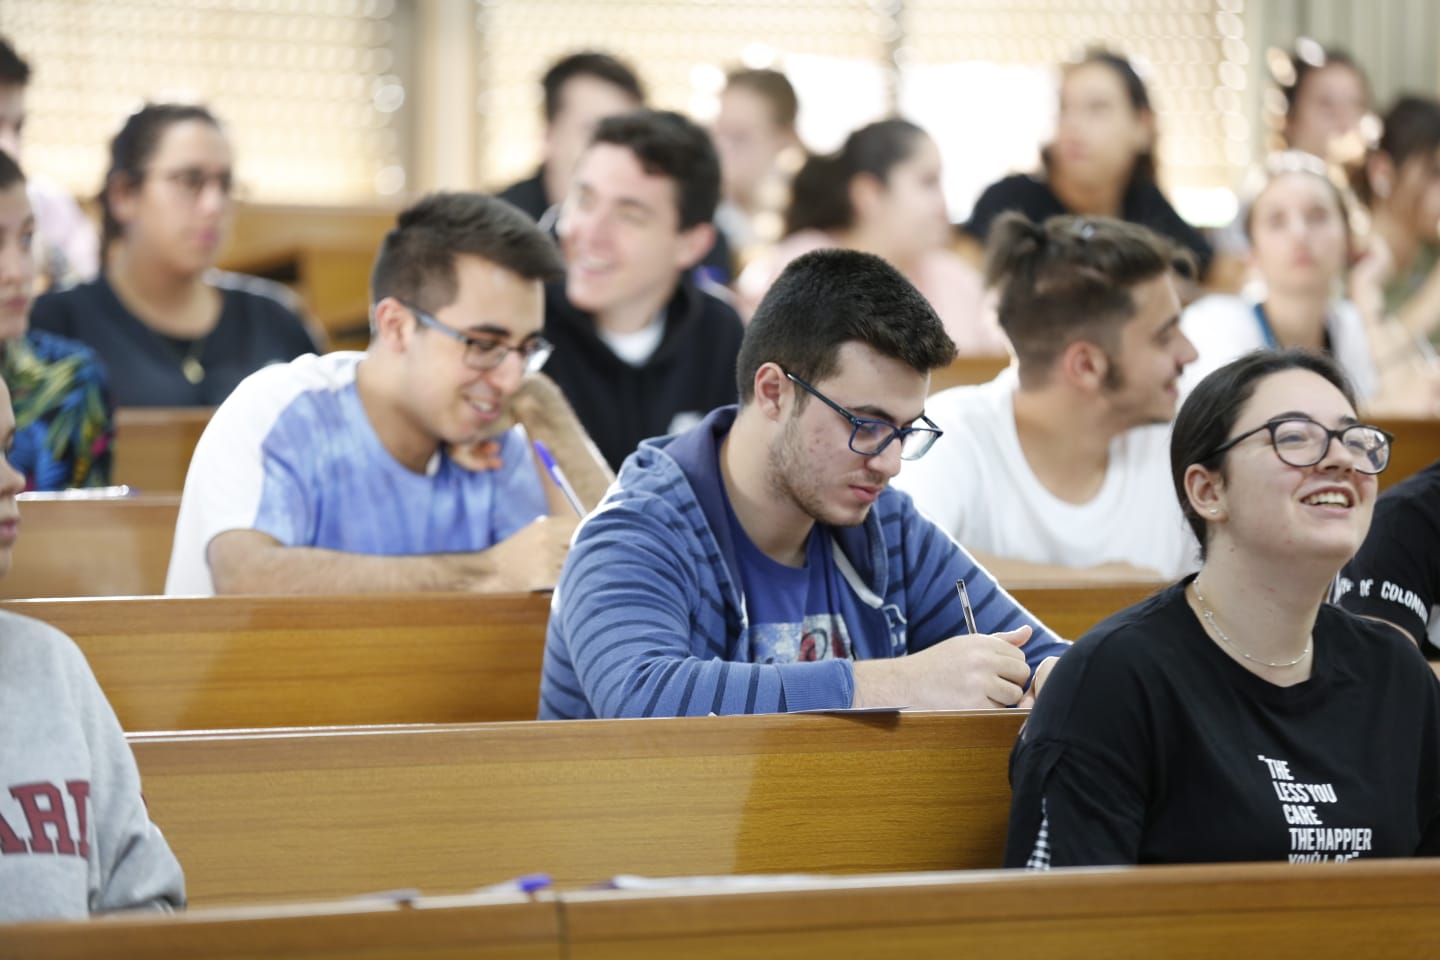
1210, 619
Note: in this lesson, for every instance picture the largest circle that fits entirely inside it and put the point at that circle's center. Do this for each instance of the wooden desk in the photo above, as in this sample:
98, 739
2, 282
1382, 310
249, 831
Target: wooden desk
450, 928
153, 446
179, 663
1370, 909
116, 546
326, 813
1380, 909
182, 663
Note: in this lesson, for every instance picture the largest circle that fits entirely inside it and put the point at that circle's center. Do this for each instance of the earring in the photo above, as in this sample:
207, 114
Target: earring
1214, 509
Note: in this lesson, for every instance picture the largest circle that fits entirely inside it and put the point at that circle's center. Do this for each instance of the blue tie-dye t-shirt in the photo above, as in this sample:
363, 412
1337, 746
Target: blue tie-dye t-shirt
292, 454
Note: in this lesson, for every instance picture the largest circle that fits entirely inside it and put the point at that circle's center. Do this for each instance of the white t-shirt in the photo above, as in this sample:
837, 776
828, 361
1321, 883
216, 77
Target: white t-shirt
291, 453
1224, 327
977, 485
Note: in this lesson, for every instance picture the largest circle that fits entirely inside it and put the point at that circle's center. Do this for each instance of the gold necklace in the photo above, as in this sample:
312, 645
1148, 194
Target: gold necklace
1210, 619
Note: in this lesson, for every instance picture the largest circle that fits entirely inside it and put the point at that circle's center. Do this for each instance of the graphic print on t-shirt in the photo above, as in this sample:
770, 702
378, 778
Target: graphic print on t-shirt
820, 636
1311, 839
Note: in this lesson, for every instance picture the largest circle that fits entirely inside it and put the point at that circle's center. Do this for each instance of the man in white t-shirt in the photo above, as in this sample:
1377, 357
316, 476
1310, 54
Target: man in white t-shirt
1061, 464
409, 466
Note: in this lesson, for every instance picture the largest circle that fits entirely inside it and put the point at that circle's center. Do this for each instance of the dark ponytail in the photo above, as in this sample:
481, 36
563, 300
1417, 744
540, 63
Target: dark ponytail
820, 193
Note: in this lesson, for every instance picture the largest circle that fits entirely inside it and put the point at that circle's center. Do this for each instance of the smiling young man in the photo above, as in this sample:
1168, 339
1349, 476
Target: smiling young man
759, 562
399, 468
1074, 432
640, 349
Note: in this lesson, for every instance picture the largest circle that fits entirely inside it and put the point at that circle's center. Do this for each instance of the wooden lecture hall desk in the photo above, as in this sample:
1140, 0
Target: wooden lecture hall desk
1378, 910
178, 663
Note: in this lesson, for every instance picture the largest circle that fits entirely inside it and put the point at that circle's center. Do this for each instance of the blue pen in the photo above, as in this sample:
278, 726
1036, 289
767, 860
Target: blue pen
558, 475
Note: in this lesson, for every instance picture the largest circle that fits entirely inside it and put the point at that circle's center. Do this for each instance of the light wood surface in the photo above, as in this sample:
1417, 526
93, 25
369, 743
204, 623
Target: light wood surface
327, 813
324, 253
1416, 446
153, 446
115, 547
966, 371
479, 927
1370, 909
177, 663
1377, 910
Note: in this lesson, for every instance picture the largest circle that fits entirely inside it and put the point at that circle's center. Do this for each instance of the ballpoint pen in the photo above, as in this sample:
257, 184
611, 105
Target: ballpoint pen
965, 606
558, 475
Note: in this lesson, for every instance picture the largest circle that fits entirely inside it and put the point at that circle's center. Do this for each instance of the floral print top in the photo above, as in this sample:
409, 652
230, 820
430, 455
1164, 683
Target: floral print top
64, 419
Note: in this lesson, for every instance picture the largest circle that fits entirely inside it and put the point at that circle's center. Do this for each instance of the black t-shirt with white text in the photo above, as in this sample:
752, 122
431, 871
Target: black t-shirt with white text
1396, 573
1151, 745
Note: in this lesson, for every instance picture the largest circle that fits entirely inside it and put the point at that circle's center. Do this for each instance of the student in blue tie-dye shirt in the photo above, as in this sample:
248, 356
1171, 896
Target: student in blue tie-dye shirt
64, 429
357, 472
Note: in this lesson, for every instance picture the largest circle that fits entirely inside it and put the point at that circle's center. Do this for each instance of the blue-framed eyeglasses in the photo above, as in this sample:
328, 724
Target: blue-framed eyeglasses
870, 437
487, 353
1301, 442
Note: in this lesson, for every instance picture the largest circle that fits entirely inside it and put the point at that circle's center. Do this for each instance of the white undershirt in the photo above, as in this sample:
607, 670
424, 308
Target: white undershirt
638, 347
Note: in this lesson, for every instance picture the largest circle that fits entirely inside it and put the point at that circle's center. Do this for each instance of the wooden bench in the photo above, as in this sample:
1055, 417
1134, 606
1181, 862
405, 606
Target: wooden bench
1370, 909
325, 813
177, 663
1373, 909
153, 446
113, 546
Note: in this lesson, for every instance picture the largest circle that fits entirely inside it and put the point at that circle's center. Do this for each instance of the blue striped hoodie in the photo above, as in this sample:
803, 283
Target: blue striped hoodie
649, 619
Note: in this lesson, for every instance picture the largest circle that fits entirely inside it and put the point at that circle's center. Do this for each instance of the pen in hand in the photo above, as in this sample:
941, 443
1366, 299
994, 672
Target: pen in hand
965, 606
558, 475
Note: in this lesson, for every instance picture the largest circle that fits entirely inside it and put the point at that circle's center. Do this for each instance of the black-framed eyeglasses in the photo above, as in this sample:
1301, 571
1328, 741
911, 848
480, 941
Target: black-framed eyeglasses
870, 437
192, 181
1301, 442
487, 353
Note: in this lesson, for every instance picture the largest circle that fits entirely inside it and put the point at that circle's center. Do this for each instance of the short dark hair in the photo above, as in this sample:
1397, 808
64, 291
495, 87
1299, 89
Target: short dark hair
588, 63
670, 145
774, 88
134, 146
1070, 279
14, 71
820, 192
1208, 414
1410, 128
828, 298
10, 172
416, 262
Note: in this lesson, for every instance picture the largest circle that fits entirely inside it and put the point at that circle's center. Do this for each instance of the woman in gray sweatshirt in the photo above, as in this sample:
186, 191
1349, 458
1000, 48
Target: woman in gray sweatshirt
75, 838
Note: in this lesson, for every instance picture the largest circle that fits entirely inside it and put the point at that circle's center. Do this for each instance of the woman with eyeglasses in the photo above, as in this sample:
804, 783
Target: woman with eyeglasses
170, 330
1234, 716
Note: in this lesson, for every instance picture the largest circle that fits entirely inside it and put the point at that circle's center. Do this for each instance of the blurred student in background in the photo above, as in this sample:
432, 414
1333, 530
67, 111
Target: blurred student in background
759, 151
68, 250
64, 431
1101, 163
580, 90
171, 331
881, 193
1400, 184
